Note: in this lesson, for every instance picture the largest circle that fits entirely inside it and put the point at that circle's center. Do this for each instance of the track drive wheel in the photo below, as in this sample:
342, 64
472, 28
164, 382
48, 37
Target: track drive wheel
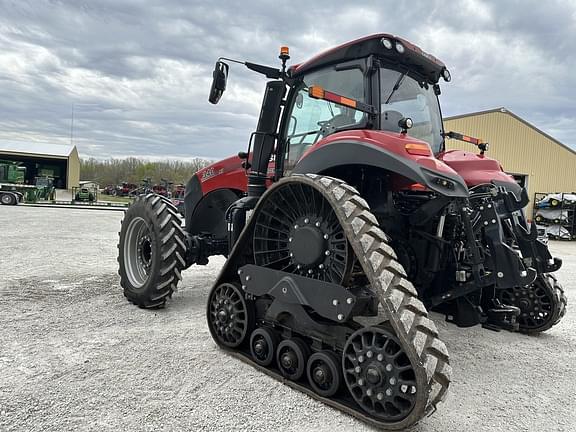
379, 374
291, 357
152, 251
542, 304
324, 373
263, 344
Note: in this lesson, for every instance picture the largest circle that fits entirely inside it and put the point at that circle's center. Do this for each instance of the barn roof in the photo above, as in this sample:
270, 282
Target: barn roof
43, 149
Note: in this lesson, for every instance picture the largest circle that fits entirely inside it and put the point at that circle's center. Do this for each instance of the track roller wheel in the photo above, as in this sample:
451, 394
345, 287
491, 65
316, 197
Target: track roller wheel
379, 375
230, 317
324, 373
542, 304
263, 343
291, 357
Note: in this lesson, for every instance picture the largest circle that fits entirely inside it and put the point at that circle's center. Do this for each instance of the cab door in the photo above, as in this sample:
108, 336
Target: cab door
307, 120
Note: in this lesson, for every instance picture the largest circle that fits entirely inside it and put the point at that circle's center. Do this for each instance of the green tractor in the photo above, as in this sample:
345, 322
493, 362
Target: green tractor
12, 172
45, 188
84, 194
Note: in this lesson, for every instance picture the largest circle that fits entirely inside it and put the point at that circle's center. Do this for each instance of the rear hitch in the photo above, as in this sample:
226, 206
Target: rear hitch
502, 317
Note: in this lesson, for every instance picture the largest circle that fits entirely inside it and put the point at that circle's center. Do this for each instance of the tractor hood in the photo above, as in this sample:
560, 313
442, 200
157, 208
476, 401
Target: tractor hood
474, 168
395, 152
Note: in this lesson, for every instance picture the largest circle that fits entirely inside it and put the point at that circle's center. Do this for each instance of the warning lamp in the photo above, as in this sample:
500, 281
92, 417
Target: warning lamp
284, 54
418, 149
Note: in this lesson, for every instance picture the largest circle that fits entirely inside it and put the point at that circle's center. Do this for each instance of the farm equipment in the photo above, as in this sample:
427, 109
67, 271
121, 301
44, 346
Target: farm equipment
84, 194
343, 224
45, 188
12, 177
123, 190
555, 214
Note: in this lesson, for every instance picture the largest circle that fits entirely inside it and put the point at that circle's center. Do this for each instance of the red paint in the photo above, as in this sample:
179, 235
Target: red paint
297, 68
390, 141
225, 174
475, 169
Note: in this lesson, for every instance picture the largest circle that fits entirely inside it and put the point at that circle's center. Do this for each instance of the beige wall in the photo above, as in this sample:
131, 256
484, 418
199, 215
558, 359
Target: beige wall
73, 169
520, 149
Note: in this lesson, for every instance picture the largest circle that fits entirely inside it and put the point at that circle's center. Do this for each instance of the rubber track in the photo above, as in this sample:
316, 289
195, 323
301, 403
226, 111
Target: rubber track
562, 299
561, 303
173, 252
398, 298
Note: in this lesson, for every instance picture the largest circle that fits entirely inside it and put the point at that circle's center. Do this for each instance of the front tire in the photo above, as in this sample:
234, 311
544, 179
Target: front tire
8, 199
151, 251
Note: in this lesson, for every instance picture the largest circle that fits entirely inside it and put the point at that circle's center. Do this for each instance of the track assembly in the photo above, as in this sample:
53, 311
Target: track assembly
390, 375
542, 304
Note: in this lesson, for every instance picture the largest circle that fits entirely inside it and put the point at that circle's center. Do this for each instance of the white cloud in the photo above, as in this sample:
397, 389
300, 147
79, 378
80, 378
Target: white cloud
146, 66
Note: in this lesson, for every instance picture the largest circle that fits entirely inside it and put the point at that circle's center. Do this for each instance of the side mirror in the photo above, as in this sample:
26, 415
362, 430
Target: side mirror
219, 77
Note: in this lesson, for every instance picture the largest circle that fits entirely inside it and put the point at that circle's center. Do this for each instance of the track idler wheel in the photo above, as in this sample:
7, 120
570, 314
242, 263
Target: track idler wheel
291, 357
263, 344
230, 316
542, 304
324, 373
379, 375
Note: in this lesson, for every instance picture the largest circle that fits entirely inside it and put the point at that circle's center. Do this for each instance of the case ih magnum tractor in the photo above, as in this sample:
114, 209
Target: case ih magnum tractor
343, 224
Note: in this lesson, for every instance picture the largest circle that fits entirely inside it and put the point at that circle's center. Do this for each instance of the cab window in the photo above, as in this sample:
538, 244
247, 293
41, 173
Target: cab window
312, 119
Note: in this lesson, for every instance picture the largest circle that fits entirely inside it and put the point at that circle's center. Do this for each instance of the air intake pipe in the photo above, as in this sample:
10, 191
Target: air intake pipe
265, 137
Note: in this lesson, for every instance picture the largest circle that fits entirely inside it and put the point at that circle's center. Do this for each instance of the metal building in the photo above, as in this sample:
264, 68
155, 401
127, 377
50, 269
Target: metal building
536, 159
60, 162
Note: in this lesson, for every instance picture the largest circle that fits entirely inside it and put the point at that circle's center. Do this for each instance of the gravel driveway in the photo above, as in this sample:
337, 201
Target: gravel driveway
74, 355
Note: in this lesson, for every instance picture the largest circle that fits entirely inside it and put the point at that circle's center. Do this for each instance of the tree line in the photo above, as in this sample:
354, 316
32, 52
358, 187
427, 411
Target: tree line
134, 170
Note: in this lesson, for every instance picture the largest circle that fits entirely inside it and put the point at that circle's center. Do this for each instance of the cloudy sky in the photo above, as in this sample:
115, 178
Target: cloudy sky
136, 73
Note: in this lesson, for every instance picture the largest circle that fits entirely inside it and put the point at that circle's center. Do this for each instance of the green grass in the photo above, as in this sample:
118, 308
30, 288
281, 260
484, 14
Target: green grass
110, 198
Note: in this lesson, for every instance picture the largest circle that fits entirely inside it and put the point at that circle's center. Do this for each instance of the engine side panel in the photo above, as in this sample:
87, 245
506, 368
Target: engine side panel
213, 188
474, 168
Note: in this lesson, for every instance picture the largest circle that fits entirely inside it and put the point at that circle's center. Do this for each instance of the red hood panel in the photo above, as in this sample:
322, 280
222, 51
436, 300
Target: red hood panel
474, 168
390, 141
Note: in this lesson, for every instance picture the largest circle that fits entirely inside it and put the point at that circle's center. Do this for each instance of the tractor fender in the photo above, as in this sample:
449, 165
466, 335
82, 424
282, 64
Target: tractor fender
205, 213
350, 152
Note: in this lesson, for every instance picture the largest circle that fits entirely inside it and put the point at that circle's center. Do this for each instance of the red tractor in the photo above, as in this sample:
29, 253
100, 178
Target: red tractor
343, 224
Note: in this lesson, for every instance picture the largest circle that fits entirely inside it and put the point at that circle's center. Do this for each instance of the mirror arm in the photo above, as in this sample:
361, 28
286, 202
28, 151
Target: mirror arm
268, 71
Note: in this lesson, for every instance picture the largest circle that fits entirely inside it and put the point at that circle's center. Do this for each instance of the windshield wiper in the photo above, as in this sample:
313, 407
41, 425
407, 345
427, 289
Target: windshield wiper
396, 87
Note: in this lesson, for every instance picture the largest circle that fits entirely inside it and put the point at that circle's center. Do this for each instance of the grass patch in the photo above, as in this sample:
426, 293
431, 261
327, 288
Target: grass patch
110, 198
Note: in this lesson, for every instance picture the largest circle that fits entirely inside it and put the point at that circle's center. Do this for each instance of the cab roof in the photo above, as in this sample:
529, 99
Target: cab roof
413, 57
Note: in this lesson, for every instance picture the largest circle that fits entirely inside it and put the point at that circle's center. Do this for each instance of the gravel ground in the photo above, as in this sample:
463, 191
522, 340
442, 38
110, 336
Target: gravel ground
74, 355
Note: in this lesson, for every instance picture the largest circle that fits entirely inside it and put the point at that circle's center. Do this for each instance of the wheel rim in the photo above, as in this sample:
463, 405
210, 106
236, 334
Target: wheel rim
263, 346
138, 252
291, 358
536, 304
298, 232
228, 315
6, 199
379, 375
324, 373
